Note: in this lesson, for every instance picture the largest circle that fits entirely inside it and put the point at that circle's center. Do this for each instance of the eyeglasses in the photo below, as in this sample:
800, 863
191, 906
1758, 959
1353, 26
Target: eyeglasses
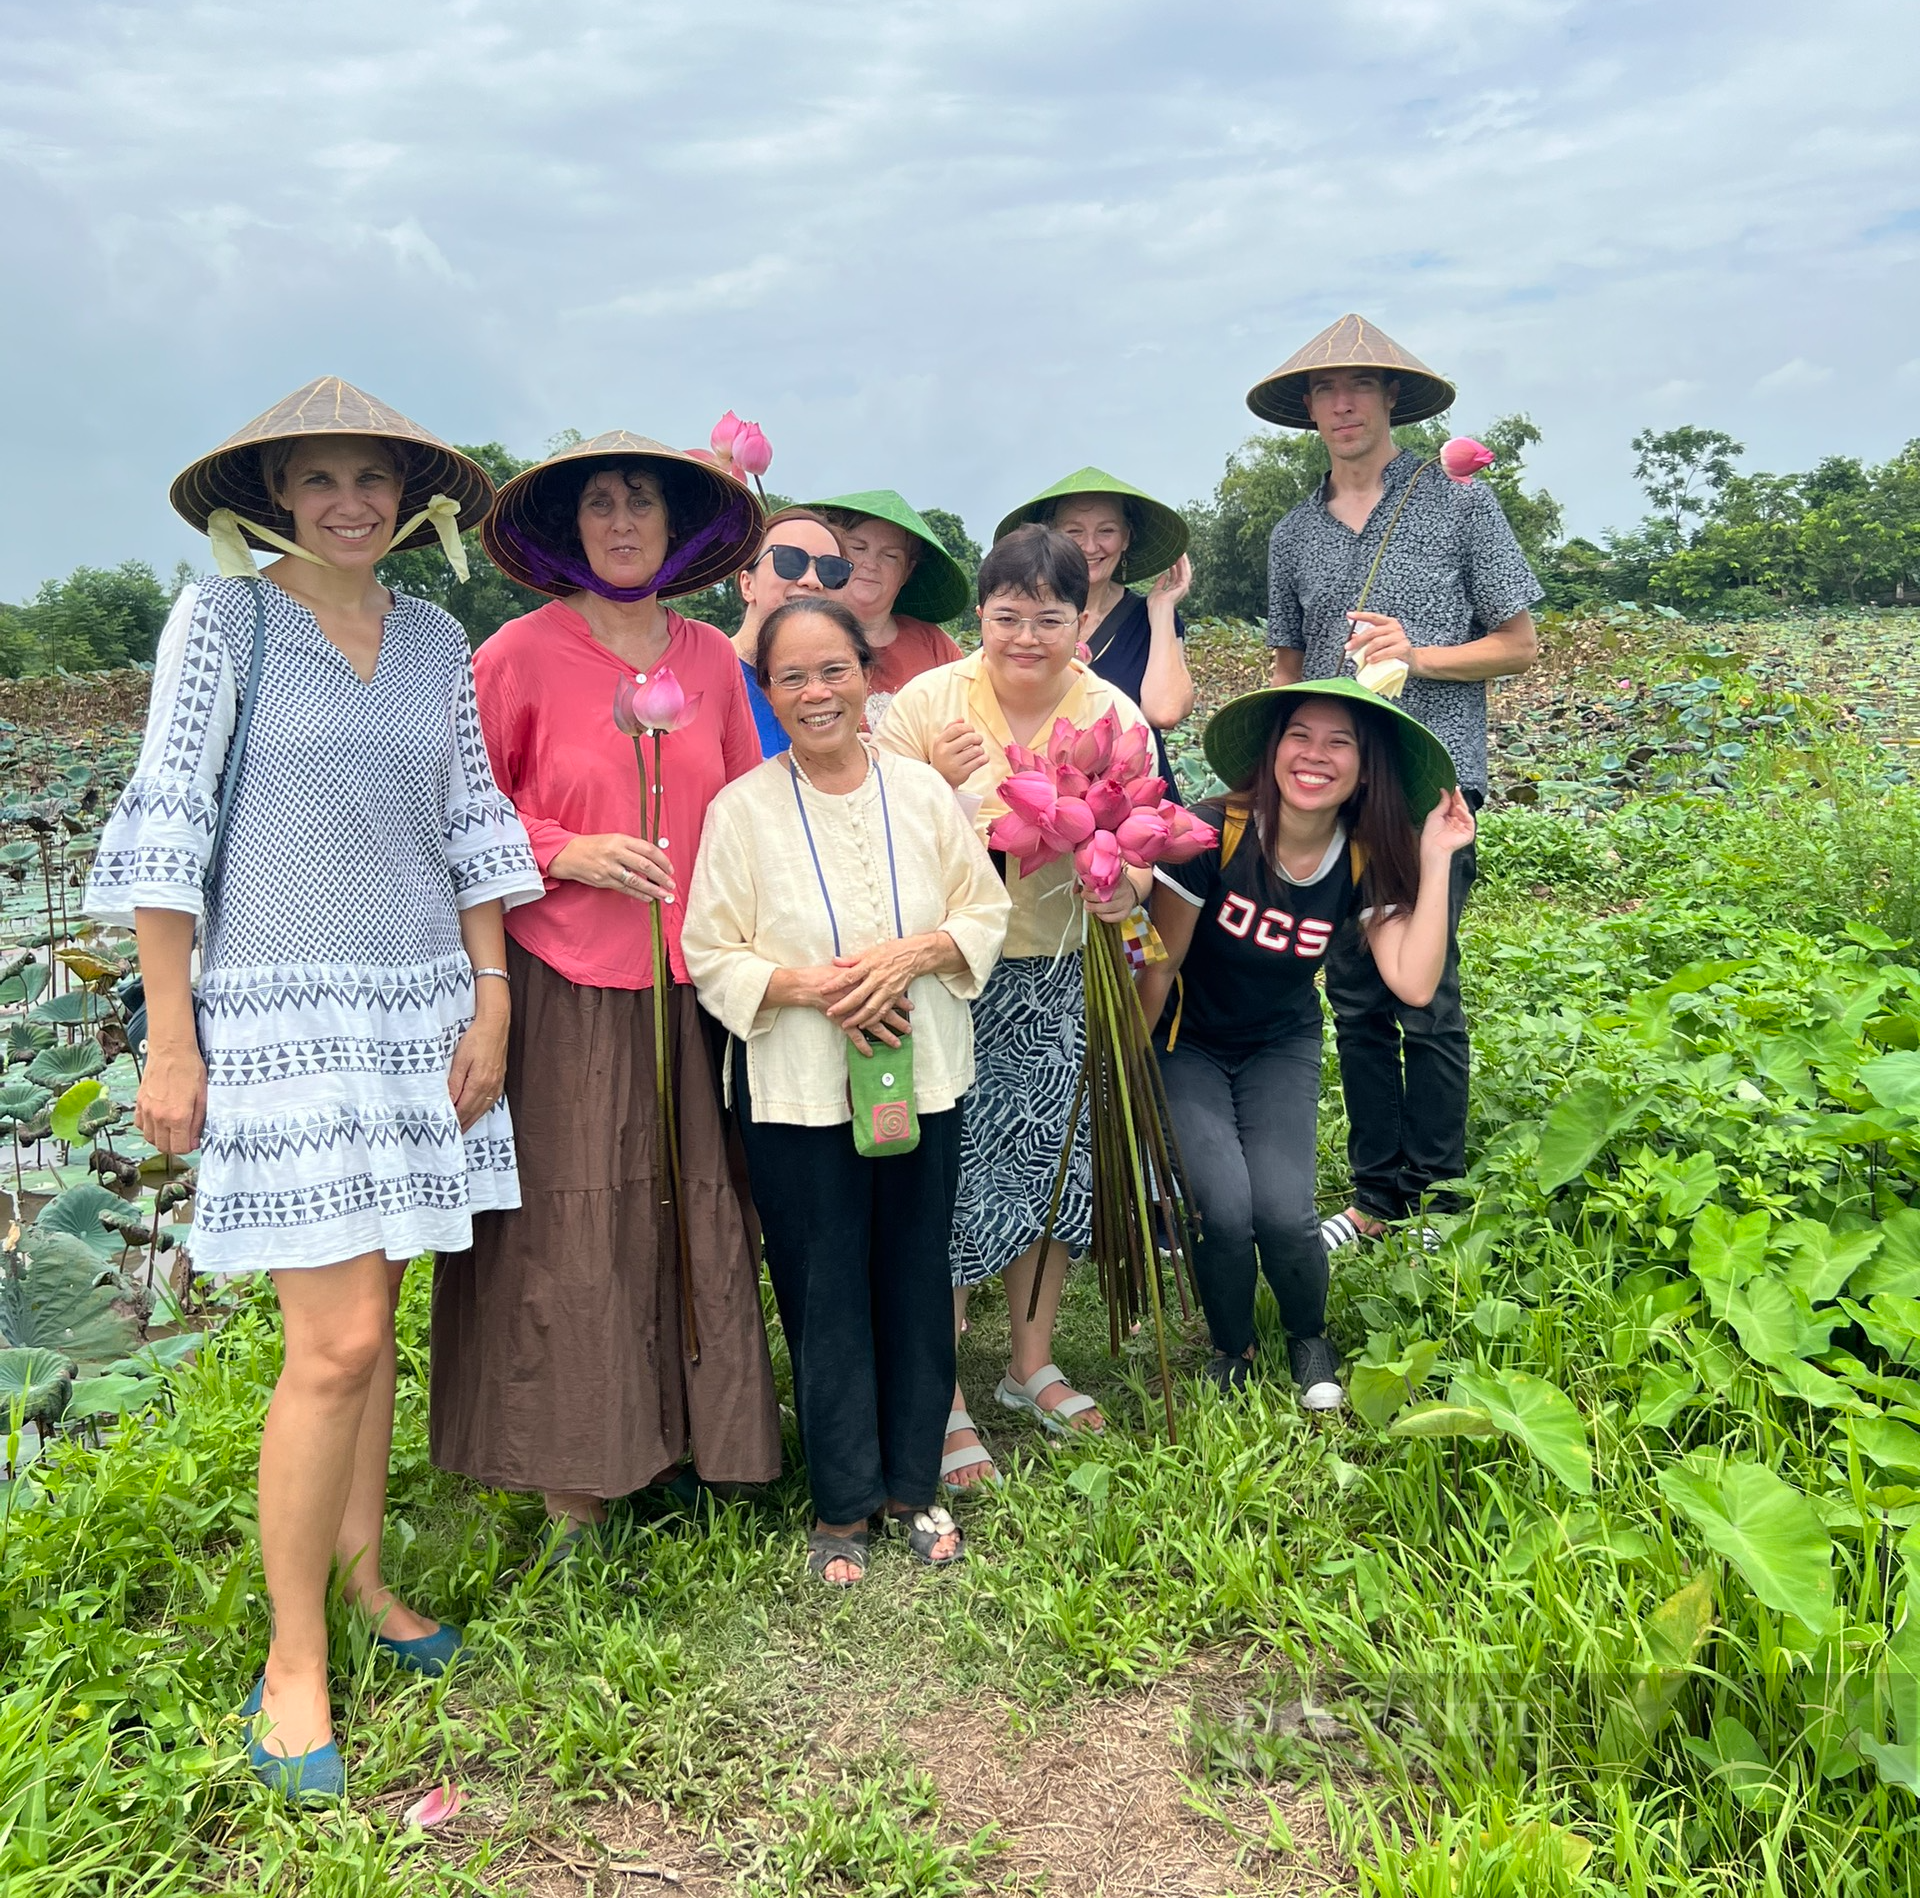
791, 563
1041, 625
832, 675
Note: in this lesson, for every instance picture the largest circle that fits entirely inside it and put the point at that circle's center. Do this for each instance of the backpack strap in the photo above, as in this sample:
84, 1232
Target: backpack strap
1357, 861
1233, 826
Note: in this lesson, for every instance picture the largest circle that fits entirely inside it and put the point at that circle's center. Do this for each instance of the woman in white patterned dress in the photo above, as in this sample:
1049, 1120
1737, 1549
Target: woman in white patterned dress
340, 1067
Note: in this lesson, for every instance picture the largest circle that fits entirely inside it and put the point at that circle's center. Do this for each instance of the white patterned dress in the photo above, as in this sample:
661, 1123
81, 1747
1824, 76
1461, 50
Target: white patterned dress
333, 985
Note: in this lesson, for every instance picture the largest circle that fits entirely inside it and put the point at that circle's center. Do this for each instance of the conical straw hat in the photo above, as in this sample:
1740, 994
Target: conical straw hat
1159, 534
230, 476
937, 588
716, 519
1351, 343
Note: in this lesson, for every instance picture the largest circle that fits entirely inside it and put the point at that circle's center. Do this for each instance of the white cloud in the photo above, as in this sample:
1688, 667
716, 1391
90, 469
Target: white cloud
952, 250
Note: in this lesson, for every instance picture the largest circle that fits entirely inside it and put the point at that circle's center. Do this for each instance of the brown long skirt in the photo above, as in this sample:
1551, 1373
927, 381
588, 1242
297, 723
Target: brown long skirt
559, 1359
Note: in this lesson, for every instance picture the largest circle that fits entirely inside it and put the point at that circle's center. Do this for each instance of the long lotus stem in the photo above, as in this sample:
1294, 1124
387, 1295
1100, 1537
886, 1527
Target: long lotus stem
1059, 1187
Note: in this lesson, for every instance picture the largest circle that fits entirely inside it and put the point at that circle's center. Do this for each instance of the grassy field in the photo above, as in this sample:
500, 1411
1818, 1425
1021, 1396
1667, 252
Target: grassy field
1608, 1585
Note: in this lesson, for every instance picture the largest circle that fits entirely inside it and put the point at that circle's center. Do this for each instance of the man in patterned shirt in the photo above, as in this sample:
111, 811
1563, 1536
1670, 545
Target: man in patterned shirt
1449, 597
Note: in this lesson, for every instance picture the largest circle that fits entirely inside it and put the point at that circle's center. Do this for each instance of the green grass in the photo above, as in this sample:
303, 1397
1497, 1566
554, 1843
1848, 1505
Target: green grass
1688, 1006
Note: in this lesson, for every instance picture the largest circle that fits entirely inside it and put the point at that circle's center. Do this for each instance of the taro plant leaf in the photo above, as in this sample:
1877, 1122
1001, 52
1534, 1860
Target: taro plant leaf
112, 1393
1577, 1126
1894, 1446
162, 1354
25, 1039
1495, 1317
1821, 1261
1378, 1388
1724, 1252
1895, 1267
77, 1212
1664, 1393
1733, 1755
54, 1301
1898, 1761
1773, 1323
1541, 1416
1892, 1323
1798, 1379
1894, 1080
1438, 1419
36, 1379
70, 1108
58, 1068
1766, 1528
1673, 1634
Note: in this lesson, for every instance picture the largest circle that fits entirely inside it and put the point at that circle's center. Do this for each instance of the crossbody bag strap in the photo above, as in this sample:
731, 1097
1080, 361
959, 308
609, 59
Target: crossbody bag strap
1393, 521
237, 744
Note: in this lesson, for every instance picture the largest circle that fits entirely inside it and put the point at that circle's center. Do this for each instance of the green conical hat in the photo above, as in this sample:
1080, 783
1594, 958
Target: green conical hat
938, 586
1159, 534
1236, 736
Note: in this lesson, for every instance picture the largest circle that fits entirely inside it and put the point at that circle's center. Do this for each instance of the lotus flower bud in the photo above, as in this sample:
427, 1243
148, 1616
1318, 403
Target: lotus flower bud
1142, 837
1144, 794
1463, 458
1187, 837
1098, 861
1069, 782
724, 433
653, 702
1030, 796
1018, 836
1109, 803
1061, 741
1093, 748
1132, 752
1071, 823
752, 453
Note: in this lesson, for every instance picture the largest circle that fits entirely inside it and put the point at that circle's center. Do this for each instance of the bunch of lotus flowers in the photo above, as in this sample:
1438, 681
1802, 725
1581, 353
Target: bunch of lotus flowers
1093, 795
650, 706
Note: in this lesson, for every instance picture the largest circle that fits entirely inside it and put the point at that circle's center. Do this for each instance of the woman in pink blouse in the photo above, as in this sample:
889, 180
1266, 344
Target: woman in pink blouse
558, 1362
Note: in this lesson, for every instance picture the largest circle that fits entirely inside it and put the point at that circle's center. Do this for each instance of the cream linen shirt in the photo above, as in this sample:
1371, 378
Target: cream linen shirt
755, 906
1046, 913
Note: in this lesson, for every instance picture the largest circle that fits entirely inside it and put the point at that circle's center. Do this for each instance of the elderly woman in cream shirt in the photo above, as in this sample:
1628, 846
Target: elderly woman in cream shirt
842, 898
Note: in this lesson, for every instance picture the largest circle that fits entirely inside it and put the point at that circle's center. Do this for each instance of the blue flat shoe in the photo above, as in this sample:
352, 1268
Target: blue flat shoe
429, 1654
302, 1777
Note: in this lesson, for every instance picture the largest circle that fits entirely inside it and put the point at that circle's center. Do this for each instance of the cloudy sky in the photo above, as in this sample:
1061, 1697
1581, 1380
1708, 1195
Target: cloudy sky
954, 248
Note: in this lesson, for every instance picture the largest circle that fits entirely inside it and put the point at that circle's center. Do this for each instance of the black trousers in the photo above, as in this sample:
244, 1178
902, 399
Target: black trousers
857, 1250
1403, 1070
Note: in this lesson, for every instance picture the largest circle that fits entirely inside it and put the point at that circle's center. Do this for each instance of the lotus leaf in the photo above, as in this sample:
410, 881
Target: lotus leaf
1541, 1416
98, 1118
25, 1039
90, 966
55, 1298
21, 1101
71, 1106
1766, 1528
36, 1379
111, 1393
75, 1008
77, 1212
58, 1068
28, 985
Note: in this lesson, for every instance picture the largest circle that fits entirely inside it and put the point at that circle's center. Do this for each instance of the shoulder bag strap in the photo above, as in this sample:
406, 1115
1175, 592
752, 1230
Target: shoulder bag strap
237, 744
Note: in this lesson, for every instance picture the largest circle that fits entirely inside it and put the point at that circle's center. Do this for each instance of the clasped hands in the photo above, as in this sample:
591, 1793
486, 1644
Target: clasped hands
863, 995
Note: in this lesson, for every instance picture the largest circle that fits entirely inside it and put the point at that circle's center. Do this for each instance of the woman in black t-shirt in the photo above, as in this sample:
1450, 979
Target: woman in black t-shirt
1343, 808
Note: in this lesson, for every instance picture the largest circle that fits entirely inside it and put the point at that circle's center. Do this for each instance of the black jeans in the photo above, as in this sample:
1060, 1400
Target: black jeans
1246, 1133
857, 1250
1403, 1070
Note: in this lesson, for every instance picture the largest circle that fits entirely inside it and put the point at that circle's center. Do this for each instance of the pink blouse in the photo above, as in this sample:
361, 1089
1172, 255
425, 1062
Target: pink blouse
545, 686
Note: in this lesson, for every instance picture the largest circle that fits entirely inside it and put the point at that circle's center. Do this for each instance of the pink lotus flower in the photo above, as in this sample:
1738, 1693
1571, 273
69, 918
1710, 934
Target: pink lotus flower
752, 453
1024, 760
1132, 752
1142, 838
440, 1805
1029, 795
1463, 458
1098, 861
1109, 803
1144, 794
1071, 823
1186, 835
1017, 835
653, 702
1084, 653
1092, 750
725, 432
1069, 782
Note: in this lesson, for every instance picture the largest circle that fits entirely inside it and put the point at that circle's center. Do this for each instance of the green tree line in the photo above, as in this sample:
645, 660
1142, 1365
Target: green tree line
1714, 541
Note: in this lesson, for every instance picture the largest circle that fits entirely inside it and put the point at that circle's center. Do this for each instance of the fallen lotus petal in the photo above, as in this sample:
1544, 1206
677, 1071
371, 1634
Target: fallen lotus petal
440, 1805
1388, 677
1463, 458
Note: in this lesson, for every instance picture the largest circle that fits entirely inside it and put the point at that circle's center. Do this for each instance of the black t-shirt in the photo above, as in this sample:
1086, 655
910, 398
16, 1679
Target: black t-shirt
1120, 647
1258, 942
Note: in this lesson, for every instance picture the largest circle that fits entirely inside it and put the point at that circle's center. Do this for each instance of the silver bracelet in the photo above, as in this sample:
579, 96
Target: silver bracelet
501, 973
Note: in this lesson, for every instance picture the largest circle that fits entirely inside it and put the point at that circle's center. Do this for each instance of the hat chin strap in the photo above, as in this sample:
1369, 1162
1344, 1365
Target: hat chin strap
234, 557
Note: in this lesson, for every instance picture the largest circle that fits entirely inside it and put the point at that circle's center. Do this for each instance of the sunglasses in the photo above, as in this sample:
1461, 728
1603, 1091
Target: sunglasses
791, 563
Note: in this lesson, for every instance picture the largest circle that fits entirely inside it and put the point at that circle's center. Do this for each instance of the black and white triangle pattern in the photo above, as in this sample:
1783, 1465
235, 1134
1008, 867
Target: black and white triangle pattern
333, 985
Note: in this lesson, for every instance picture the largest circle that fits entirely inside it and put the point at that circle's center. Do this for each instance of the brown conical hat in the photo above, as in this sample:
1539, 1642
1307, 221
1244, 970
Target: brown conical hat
230, 477
516, 535
1351, 343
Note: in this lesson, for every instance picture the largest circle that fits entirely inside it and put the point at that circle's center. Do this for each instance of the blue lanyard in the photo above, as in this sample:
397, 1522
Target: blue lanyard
893, 874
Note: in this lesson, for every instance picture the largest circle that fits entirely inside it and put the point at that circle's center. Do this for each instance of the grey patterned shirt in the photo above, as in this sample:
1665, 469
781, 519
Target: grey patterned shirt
1452, 572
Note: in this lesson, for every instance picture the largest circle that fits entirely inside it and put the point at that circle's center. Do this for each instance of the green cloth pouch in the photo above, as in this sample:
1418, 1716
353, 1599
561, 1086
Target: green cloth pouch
880, 1086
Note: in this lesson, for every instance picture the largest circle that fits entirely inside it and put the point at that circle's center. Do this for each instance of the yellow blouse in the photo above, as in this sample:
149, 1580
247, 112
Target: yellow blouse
1046, 912
756, 906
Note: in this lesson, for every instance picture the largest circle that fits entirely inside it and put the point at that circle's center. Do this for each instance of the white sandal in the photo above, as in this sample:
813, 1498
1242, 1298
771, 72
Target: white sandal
966, 1459
1058, 1420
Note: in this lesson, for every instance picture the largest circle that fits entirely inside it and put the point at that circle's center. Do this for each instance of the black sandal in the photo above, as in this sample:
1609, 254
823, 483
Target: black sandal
823, 1550
925, 1530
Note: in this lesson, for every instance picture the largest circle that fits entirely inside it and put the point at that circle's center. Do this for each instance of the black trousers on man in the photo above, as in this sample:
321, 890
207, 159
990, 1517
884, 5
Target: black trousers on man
1403, 1070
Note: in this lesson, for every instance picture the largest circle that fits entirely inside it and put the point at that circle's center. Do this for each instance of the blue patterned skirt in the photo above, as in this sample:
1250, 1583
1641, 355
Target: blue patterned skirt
1029, 1037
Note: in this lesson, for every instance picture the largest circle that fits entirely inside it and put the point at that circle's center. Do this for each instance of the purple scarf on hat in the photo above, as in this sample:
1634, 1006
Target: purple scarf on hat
570, 572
